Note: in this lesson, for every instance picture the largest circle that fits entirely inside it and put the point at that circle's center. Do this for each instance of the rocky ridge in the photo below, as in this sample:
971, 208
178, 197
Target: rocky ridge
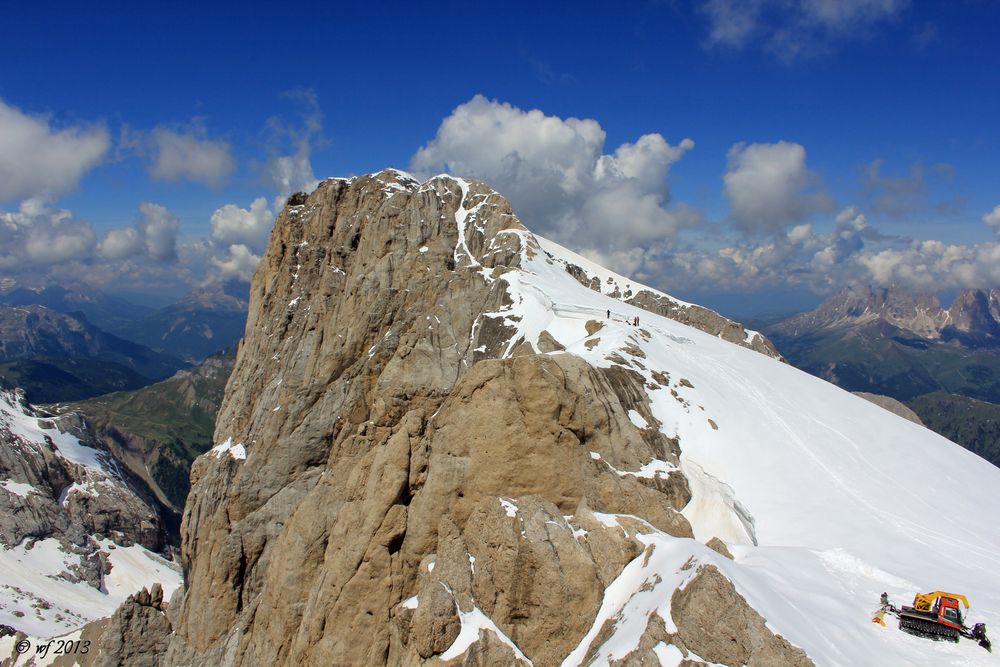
407, 469
629, 292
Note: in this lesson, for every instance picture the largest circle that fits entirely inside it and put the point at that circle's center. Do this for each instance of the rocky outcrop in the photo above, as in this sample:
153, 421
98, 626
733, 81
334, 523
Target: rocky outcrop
402, 475
974, 319
707, 320
137, 634
47, 492
716, 623
653, 301
66, 511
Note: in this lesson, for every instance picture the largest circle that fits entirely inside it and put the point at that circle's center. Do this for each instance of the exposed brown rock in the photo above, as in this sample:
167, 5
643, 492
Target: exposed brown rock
546, 343
715, 621
136, 635
702, 318
718, 546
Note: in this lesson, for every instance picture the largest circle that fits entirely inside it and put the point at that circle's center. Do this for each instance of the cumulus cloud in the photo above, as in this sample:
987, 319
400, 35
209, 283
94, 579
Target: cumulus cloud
154, 236
558, 178
768, 185
37, 159
188, 154
993, 218
790, 30
159, 231
239, 263
121, 244
36, 236
232, 224
848, 251
39, 243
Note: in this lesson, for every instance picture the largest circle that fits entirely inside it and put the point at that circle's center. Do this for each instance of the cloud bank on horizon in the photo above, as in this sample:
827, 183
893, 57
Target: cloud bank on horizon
613, 205
616, 208
39, 162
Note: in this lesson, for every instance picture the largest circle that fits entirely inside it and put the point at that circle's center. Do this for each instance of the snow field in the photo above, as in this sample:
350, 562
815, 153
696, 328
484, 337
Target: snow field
825, 499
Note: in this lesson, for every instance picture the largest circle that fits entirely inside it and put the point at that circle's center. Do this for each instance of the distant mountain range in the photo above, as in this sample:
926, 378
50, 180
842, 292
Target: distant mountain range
893, 342
206, 321
56, 357
68, 344
972, 321
103, 310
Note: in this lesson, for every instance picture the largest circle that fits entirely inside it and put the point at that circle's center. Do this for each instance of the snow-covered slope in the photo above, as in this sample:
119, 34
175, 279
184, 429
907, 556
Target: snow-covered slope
826, 499
72, 529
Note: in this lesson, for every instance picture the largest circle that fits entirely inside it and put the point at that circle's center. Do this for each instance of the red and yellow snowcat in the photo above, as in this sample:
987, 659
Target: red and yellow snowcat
937, 616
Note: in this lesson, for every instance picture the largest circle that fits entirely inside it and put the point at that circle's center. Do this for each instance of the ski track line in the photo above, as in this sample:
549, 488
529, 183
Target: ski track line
985, 549
835, 477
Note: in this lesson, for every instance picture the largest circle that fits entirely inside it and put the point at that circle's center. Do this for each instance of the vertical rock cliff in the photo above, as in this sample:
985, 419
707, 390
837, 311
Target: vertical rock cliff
402, 472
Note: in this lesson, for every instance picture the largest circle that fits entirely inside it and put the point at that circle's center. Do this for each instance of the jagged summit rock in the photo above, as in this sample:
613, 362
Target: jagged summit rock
384, 388
436, 447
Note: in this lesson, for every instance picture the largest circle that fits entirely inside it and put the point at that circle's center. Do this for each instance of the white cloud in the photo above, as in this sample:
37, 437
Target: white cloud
291, 173
849, 252
766, 185
189, 155
121, 244
557, 177
993, 218
154, 236
159, 231
37, 159
39, 244
232, 224
790, 30
239, 263
732, 22
37, 236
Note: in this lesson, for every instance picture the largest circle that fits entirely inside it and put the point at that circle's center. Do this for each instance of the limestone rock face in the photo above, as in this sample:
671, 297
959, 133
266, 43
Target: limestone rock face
400, 476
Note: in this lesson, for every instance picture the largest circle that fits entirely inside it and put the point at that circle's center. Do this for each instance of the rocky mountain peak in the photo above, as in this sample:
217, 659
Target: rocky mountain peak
891, 304
974, 318
392, 407
448, 441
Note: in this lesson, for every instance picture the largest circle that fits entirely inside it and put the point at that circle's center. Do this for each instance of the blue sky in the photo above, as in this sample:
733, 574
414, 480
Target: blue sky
828, 142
